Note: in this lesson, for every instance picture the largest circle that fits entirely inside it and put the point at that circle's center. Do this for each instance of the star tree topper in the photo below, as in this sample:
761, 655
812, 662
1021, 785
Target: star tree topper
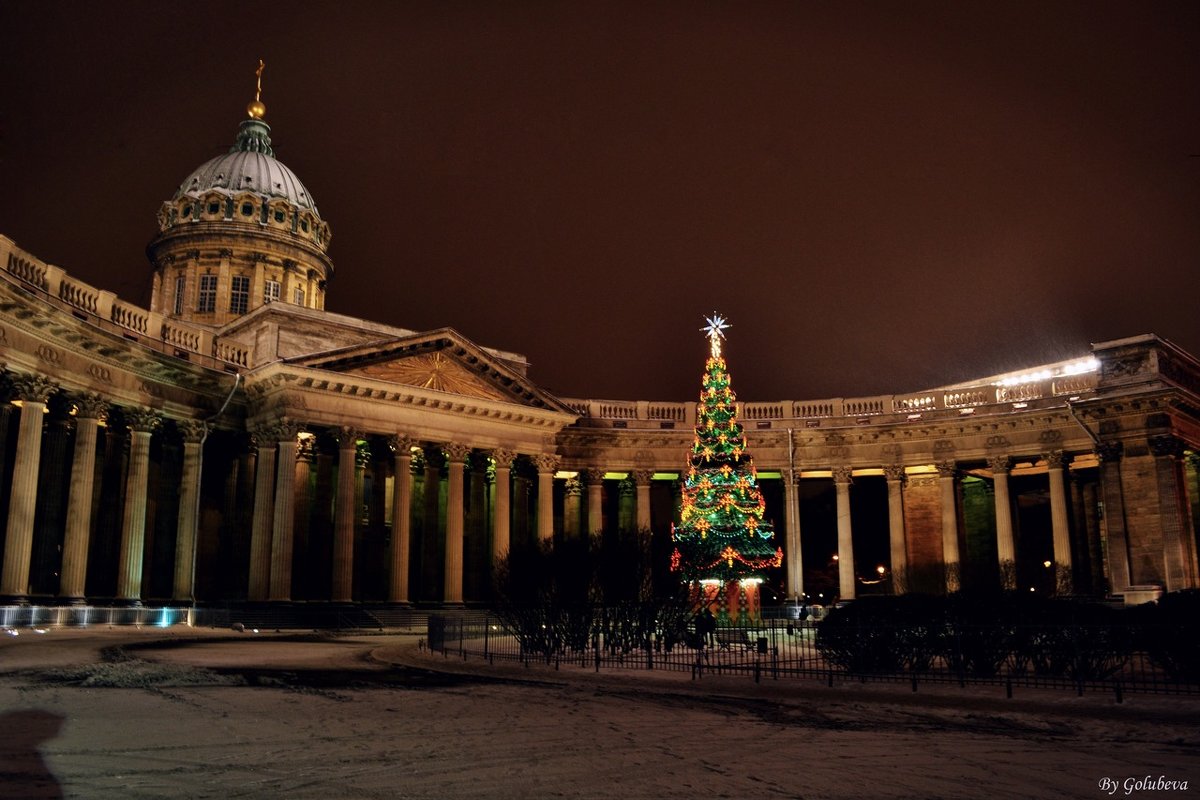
716, 332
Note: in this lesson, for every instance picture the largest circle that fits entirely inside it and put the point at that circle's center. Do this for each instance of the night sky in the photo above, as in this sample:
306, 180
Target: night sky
881, 197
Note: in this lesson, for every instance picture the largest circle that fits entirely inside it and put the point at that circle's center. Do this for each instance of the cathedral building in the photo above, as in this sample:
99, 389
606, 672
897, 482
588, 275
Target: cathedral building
235, 442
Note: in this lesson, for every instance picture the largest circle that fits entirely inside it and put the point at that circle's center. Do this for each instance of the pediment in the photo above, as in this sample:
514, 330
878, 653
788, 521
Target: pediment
440, 361
438, 371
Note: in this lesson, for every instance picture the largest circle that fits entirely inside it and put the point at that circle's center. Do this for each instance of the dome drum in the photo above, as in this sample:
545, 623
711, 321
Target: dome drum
240, 232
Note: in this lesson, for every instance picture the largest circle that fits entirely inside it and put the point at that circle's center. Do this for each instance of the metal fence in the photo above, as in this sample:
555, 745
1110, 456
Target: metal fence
781, 649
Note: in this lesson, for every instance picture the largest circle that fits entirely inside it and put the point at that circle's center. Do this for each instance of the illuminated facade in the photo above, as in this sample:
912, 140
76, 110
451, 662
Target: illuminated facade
236, 442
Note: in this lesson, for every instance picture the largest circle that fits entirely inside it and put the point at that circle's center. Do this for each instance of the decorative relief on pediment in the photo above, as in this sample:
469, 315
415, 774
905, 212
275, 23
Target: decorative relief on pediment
436, 371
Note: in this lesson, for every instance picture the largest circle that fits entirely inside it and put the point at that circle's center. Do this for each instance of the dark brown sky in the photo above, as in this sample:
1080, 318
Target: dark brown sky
882, 197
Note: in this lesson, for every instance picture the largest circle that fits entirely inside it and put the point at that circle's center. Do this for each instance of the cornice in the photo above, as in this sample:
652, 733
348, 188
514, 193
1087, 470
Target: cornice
278, 379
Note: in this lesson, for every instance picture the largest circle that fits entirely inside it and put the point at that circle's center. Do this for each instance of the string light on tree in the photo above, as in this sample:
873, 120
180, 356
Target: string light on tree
722, 540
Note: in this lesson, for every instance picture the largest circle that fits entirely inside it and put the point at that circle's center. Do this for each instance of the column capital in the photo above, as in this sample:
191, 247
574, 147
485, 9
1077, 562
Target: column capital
546, 462
999, 465
642, 477
346, 437
1056, 459
894, 472
947, 469
594, 475
90, 406
260, 436
401, 444
574, 487
192, 430
504, 458
286, 429
306, 448
1166, 446
142, 420
434, 457
457, 452
33, 388
843, 474
1110, 452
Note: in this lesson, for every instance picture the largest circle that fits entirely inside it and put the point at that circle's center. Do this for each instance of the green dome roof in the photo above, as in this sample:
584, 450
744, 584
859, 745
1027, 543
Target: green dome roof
249, 166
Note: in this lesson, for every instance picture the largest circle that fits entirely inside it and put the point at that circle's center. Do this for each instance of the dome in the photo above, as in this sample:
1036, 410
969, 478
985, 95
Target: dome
249, 166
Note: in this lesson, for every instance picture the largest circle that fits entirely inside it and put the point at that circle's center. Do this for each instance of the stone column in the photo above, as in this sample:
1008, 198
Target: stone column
625, 504
897, 541
572, 503
6, 409
431, 546
1006, 549
1192, 477
49, 515
1116, 537
642, 478
89, 410
546, 467
1064, 581
595, 500
453, 588
264, 513
33, 391
401, 518
141, 424
1168, 455
283, 524
188, 521
302, 552
345, 510
842, 481
502, 526
791, 518
947, 470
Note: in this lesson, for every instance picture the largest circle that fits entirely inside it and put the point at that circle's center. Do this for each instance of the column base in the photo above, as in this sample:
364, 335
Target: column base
124, 602
14, 600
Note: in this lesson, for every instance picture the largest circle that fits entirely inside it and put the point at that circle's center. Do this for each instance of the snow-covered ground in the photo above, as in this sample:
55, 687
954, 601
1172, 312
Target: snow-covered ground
215, 714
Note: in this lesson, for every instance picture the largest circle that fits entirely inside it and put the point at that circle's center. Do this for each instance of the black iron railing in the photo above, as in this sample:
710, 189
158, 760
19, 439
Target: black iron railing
1073, 658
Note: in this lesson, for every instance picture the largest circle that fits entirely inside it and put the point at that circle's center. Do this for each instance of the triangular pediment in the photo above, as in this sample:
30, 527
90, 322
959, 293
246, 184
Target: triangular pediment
440, 361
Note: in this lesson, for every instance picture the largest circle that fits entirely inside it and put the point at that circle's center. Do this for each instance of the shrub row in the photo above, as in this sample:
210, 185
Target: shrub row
987, 634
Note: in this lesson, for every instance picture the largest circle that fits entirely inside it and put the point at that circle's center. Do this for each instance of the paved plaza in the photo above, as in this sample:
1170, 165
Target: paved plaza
152, 713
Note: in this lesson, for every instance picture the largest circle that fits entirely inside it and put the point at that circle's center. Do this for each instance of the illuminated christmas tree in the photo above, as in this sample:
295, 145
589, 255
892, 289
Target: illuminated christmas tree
722, 540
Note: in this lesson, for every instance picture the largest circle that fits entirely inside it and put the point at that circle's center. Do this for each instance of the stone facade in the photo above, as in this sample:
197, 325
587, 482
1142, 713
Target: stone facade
277, 452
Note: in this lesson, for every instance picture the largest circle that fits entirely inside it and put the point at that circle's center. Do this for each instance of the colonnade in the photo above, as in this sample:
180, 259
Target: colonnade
278, 483
32, 393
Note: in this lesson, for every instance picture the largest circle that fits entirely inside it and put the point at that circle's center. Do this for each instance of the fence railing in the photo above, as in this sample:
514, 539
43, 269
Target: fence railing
781, 649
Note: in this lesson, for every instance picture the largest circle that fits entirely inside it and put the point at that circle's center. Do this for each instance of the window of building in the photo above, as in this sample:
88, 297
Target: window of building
180, 286
214, 208
304, 225
270, 291
279, 215
247, 209
239, 294
298, 296
207, 299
